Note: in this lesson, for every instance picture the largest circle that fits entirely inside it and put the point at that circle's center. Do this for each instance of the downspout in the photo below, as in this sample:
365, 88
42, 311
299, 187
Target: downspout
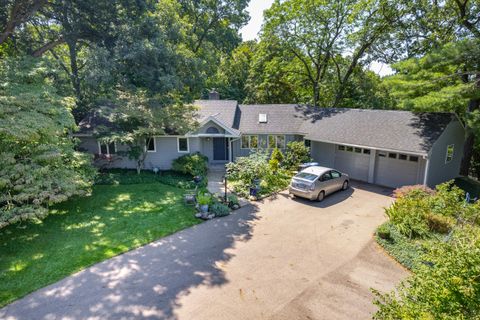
230, 153
427, 167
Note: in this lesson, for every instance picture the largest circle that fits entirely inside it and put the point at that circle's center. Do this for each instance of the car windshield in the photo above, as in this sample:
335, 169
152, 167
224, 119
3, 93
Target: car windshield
306, 176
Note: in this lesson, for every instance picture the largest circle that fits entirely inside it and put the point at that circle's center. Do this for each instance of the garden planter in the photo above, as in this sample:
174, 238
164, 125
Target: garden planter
204, 208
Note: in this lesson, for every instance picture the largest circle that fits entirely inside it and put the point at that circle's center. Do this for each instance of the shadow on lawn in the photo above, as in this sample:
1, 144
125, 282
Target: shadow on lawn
146, 283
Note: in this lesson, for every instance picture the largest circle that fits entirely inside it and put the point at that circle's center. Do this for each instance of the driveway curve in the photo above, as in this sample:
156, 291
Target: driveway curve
275, 259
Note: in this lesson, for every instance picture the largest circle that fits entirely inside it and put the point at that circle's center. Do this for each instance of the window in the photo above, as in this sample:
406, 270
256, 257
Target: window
182, 144
349, 149
262, 118
382, 154
308, 143
276, 141
392, 155
150, 144
335, 174
358, 150
107, 148
414, 158
249, 142
402, 157
212, 130
341, 148
450, 150
366, 151
326, 177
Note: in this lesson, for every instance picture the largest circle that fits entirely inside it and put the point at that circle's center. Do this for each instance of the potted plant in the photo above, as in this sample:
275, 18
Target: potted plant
204, 201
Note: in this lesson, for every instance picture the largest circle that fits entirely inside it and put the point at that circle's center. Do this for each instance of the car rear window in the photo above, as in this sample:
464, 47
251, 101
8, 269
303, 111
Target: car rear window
306, 176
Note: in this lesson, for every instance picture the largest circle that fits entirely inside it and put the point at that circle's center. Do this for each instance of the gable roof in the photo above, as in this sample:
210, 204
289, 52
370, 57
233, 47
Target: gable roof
383, 129
388, 129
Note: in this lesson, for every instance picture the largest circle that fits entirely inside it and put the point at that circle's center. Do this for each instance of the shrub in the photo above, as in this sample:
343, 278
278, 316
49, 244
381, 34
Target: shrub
276, 159
232, 200
194, 164
204, 199
246, 169
439, 224
448, 200
384, 232
412, 191
446, 287
219, 209
409, 216
296, 154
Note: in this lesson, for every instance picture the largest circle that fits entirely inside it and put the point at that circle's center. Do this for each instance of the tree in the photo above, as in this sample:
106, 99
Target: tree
427, 25
231, 77
137, 117
329, 39
38, 164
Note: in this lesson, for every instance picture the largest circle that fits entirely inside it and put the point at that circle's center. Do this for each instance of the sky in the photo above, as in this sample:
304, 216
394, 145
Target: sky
251, 30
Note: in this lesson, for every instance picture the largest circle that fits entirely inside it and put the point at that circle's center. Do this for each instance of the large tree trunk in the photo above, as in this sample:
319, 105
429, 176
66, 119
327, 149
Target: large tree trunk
74, 75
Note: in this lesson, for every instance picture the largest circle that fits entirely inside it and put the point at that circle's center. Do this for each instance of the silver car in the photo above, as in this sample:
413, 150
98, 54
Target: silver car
315, 183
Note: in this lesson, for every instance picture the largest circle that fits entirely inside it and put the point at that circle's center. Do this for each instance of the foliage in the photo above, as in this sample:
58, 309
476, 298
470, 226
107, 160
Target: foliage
246, 169
86, 230
407, 251
419, 210
446, 287
232, 200
315, 35
219, 209
276, 159
194, 164
39, 166
256, 166
127, 177
296, 154
204, 199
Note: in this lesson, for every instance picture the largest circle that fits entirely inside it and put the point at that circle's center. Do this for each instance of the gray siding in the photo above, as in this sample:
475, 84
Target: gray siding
165, 152
237, 151
323, 153
438, 170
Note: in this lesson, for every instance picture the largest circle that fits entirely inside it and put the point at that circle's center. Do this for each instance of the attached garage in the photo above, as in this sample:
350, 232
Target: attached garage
352, 160
397, 169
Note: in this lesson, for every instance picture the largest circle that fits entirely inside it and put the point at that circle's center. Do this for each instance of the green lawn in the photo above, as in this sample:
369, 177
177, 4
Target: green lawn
81, 232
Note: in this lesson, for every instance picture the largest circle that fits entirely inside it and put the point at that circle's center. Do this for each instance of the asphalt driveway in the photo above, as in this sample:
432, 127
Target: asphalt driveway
278, 259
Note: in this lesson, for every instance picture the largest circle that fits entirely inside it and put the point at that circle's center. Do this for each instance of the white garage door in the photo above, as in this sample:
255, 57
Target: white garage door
353, 161
396, 170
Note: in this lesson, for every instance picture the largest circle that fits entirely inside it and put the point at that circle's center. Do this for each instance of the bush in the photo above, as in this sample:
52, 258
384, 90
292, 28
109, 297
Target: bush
219, 209
439, 224
276, 159
384, 232
447, 286
204, 199
296, 154
412, 191
194, 164
408, 214
246, 169
232, 200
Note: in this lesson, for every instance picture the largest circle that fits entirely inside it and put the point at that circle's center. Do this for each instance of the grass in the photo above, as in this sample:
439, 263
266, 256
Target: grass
84, 231
469, 185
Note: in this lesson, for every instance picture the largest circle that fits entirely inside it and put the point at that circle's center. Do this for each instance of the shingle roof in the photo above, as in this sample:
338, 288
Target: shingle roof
224, 110
281, 118
389, 129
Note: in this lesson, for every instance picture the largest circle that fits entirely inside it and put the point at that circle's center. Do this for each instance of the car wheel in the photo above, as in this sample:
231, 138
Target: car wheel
321, 196
345, 185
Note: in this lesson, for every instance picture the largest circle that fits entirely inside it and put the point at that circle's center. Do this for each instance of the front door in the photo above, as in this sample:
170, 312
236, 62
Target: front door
220, 149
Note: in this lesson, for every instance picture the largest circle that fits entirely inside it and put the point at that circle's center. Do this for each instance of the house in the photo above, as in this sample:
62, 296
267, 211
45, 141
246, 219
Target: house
384, 147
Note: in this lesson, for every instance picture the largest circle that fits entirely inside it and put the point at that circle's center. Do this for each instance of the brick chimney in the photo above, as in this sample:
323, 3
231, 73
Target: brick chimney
213, 95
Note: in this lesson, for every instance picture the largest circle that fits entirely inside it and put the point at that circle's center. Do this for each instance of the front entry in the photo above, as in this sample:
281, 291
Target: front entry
220, 149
